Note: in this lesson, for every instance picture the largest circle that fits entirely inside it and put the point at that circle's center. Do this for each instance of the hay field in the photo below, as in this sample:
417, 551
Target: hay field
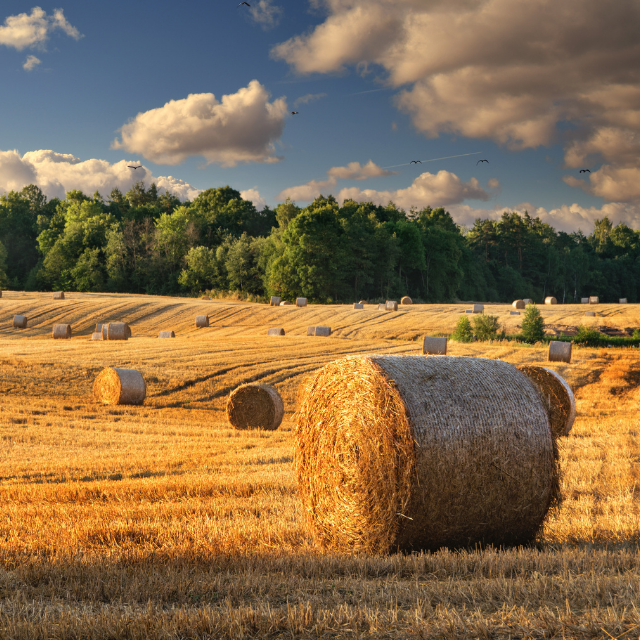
159, 521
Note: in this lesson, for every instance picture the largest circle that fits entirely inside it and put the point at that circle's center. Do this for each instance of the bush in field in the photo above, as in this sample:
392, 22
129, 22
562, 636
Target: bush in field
532, 325
486, 327
587, 336
463, 331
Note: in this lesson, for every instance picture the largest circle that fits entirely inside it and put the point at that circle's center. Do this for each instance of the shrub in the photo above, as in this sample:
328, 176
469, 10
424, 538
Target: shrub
486, 327
588, 337
532, 325
463, 331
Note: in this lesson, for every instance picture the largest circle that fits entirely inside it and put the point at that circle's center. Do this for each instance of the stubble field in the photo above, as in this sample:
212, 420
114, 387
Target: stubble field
160, 521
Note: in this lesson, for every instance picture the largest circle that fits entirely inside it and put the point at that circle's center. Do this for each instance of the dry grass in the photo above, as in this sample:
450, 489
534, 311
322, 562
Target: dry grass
161, 521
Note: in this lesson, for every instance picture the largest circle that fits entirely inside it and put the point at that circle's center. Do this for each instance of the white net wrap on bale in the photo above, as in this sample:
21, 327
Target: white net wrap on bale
391, 305
560, 351
621, 301
301, 302
478, 308
434, 346
406, 300
119, 386
557, 397
58, 295
255, 406
202, 321
518, 304
61, 331
584, 300
358, 305
594, 300
19, 322
319, 331
275, 301
166, 334
275, 332
407, 452
118, 331
550, 300
96, 336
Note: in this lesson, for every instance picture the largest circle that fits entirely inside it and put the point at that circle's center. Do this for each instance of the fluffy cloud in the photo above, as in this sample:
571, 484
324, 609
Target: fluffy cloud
31, 63
498, 69
309, 97
253, 195
32, 30
265, 14
242, 127
57, 173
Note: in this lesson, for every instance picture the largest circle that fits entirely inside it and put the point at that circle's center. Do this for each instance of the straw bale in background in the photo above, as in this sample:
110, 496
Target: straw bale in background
19, 322
391, 305
255, 406
118, 331
119, 386
301, 302
382, 307
275, 332
434, 346
518, 304
202, 321
205, 298
58, 295
406, 300
96, 336
584, 300
590, 314
621, 301
559, 351
557, 397
527, 301
127, 330
514, 313
410, 452
286, 303
468, 311
363, 302
358, 305
275, 301
167, 334
319, 331
61, 331
98, 328
594, 300
105, 327
478, 308
550, 300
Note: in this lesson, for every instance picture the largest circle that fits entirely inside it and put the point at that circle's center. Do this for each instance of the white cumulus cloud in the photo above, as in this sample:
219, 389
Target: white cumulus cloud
253, 195
33, 30
242, 127
265, 14
31, 63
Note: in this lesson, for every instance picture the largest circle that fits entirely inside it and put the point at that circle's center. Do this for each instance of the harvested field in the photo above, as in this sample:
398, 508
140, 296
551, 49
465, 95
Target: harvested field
161, 520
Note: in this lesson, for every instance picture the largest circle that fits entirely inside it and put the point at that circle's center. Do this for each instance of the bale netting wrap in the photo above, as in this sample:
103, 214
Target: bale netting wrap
61, 331
255, 406
560, 351
407, 452
202, 321
166, 334
19, 322
557, 397
406, 300
118, 331
119, 386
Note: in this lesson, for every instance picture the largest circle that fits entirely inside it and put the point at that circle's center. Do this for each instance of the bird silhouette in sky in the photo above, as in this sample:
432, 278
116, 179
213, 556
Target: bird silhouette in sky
416, 162
241, 3
132, 167
479, 161
294, 113
585, 170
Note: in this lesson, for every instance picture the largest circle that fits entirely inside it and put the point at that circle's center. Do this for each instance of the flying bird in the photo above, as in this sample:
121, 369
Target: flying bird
416, 162
585, 170
294, 113
479, 161
241, 3
132, 167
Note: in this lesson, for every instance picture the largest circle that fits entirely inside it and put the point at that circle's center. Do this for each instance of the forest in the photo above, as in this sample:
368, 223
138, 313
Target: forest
144, 241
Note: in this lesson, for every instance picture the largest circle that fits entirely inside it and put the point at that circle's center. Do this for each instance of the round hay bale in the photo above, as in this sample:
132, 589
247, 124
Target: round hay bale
105, 328
560, 351
434, 346
594, 300
514, 313
286, 303
98, 328
205, 298
382, 307
550, 300
19, 322
518, 304
118, 331
528, 300
406, 300
391, 305
255, 406
621, 300
119, 386
96, 336
407, 452
362, 302
202, 321
557, 397
584, 300
275, 332
275, 301
58, 295
358, 305
166, 334
301, 302
61, 331
478, 308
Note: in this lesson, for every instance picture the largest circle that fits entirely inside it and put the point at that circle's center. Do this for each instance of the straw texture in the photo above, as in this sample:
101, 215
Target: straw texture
118, 331
275, 301
358, 305
478, 308
391, 305
594, 300
119, 386
550, 300
407, 452
61, 331
560, 351
301, 302
275, 332
434, 346
167, 334
518, 304
58, 295
406, 300
202, 321
255, 406
96, 336
557, 397
19, 322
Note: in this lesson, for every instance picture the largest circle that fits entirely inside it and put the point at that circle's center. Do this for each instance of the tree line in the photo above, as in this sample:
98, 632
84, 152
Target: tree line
146, 242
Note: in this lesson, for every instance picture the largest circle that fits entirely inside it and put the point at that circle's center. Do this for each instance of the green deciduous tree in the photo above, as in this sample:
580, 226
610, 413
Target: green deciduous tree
532, 324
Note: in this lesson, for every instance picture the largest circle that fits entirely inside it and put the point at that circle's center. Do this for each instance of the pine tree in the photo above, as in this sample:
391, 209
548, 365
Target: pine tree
532, 325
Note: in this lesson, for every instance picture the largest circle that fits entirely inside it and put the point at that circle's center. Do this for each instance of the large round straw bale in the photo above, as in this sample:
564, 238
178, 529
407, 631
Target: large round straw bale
118, 331
167, 334
557, 397
96, 336
275, 301
119, 386
255, 406
358, 305
301, 302
559, 351
621, 301
61, 331
407, 452
584, 300
478, 308
518, 304
594, 300
202, 321
434, 346
58, 295
391, 305
275, 332
406, 300
19, 322
550, 300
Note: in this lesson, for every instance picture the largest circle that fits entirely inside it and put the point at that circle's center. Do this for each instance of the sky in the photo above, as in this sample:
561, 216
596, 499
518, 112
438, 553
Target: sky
200, 95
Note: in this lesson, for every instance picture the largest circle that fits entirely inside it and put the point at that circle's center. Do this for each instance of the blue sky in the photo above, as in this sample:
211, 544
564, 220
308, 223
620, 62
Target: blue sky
541, 92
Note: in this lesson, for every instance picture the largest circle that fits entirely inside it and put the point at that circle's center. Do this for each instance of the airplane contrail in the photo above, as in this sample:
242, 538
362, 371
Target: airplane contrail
433, 160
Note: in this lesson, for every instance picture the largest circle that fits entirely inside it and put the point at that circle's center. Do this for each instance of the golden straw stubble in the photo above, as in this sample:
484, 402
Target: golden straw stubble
119, 386
255, 406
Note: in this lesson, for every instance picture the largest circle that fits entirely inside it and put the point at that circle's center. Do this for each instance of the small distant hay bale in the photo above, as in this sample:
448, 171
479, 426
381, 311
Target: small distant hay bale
560, 351
275, 301
362, 302
527, 300
621, 301
105, 328
407, 452
550, 300
275, 332
319, 331
58, 295
382, 307
96, 336
358, 305
118, 331
391, 305
518, 304
590, 314
255, 406
119, 386
514, 313
468, 311
167, 334
202, 321
61, 331
286, 303
478, 308
205, 298
19, 322
584, 300
301, 302
594, 300
406, 300
557, 397
434, 346
98, 328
